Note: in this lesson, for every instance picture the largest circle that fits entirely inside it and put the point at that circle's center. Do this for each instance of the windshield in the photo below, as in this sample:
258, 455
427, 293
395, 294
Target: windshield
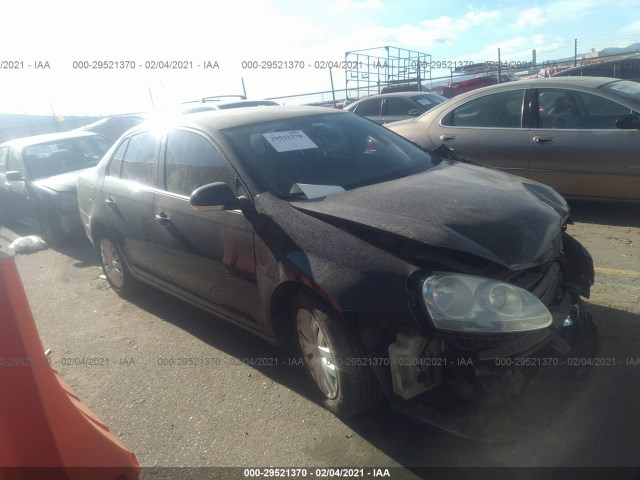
624, 88
342, 150
62, 156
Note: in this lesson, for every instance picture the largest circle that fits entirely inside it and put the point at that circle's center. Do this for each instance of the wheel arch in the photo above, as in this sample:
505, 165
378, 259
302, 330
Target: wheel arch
280, 314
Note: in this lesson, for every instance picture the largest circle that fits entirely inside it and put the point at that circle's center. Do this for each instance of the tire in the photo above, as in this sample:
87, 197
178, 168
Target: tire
329, 344
114, 267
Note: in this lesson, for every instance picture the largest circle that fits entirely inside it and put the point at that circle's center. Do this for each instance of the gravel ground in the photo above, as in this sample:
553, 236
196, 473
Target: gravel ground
224, 412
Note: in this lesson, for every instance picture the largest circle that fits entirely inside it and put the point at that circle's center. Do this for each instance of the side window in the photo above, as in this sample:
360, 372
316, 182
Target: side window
399, 106
14, 162
573, 109
115, 165
191, 161
137, 164
497, 110
369, 108
3, 159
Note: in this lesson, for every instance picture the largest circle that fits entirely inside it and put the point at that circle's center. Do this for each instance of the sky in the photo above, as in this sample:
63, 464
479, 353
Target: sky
234, 36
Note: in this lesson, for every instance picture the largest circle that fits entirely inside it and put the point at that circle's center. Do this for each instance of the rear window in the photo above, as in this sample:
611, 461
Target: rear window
624, 88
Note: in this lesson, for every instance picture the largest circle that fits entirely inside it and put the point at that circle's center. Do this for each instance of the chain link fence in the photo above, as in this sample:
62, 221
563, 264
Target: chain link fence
504, 67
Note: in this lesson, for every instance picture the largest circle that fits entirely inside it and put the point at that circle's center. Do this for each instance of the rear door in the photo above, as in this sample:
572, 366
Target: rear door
209, 256
4, 192
577, 149
491, 128
128, 190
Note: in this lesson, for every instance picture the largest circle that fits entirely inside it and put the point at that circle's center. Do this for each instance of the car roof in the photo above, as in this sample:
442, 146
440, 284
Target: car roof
403, 94
550, 82
49, 137
247, 103
209, 121
607, 63
588, 82
207, 105
394, 94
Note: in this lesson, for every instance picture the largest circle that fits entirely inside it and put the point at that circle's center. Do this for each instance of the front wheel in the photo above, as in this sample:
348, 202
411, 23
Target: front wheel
333, 354
114, 268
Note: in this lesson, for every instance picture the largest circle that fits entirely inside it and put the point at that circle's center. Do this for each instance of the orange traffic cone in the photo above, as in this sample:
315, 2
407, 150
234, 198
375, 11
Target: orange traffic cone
45, 431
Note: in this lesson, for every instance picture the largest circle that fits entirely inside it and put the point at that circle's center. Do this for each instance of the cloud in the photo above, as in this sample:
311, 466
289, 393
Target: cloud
633, 27
441, 31
532, 17
342, 5
558, 11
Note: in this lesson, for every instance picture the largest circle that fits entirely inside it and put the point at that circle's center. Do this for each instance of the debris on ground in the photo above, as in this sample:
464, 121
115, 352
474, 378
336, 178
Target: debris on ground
31, 243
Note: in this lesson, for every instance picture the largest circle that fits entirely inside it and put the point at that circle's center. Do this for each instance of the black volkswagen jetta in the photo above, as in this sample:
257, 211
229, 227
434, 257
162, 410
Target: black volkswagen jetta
392, 270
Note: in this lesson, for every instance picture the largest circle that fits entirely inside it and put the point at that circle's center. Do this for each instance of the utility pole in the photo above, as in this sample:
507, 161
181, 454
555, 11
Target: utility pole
575, 53
153, 104
244, 90
333, 90
534, 62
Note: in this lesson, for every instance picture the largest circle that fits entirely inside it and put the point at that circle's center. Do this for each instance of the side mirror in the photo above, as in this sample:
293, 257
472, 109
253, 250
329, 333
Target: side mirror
628, 122
217, 197
14, 176
414, 112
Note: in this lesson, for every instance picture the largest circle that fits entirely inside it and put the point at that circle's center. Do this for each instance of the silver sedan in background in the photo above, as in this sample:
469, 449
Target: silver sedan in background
391, 107
580, 135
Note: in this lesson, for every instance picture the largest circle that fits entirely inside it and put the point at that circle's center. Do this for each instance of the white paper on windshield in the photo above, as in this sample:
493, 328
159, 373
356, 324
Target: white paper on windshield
424, 101
288, 141
316, 191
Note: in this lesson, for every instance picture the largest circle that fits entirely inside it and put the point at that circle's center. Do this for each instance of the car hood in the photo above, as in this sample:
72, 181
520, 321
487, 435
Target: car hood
503, 218
66, 182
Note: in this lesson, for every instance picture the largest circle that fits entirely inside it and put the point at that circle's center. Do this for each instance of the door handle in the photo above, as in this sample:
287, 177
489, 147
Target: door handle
447, 138
542, 139
163, 219
111, 203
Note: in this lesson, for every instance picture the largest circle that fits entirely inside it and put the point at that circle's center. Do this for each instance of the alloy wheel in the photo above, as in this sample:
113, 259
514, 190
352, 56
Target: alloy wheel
111, 263
317, 351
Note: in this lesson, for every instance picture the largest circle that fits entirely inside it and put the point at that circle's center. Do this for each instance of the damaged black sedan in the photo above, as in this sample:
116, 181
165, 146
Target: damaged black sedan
393, 271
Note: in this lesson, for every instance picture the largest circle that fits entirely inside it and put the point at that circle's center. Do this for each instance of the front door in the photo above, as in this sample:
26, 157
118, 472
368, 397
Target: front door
207, 255
492, 129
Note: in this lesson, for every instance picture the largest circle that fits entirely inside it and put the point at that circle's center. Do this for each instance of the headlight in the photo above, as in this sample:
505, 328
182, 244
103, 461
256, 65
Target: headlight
466, 303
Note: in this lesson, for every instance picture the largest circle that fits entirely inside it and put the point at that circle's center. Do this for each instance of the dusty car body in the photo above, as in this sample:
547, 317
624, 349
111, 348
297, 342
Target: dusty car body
38, 178
381, 264
580, 135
